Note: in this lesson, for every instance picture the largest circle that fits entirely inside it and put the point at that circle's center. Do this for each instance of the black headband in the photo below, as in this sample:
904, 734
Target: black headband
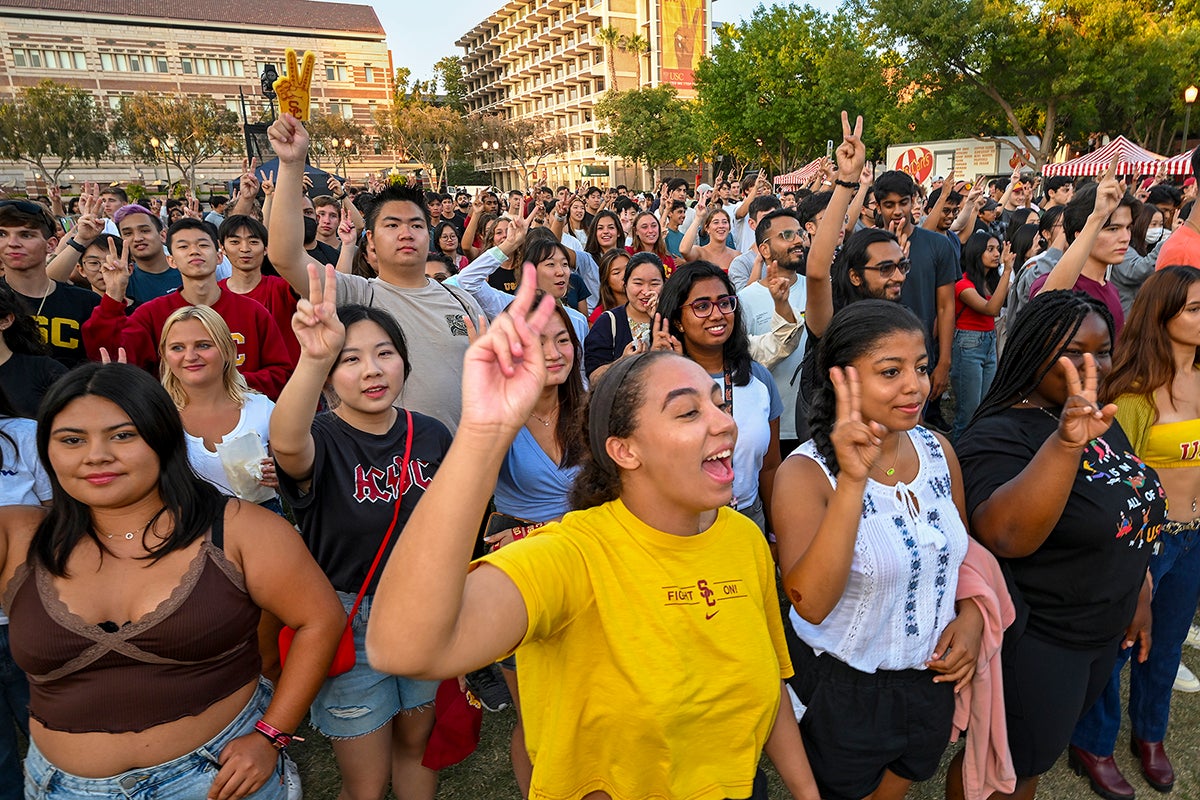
604, 394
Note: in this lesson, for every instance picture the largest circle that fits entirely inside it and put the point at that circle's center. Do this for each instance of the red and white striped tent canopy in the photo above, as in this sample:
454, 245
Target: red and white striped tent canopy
1177, 165
799, 177
1133, 159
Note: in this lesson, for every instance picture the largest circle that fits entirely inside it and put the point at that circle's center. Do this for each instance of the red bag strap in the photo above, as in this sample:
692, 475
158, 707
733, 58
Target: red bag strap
395, 516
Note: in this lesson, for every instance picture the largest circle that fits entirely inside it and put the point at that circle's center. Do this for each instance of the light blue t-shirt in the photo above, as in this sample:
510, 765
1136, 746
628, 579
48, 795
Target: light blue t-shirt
755, 405
530, 485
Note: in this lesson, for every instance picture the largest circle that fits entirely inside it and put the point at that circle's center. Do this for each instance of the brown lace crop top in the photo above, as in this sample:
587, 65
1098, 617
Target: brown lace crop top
197, 647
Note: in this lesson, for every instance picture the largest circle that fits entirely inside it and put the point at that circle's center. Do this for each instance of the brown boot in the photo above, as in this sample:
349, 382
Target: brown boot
1102, 772
1156, 767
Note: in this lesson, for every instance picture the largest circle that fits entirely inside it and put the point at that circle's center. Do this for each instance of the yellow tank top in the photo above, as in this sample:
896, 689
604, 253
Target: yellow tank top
1170, 445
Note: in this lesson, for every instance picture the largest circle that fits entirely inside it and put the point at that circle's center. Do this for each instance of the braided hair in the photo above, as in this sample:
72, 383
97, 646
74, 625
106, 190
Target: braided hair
1041, 333
854, 331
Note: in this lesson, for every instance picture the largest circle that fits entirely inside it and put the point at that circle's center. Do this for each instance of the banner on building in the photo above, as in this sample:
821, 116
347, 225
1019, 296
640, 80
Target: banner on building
683, 27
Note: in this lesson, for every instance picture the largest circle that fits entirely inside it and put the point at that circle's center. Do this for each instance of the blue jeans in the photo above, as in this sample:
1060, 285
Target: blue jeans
972, 368
14, 699
188, 777
1175, 567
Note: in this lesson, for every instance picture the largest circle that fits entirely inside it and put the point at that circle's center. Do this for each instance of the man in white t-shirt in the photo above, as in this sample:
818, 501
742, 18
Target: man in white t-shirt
780, 243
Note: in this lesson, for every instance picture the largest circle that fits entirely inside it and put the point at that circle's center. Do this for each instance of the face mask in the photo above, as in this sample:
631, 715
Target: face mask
1154, 235
310, 229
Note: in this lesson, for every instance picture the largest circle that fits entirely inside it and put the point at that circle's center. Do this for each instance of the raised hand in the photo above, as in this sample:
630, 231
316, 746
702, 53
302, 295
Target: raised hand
851, 154
335, 187
106, 358
504, 369
660, 335
778, 286
1083, 419
87, 228
318, 330
116, 271
268, 183
1109, 192
288, 139
306, 183
856, 442
1007, 256
295, 86
345, 231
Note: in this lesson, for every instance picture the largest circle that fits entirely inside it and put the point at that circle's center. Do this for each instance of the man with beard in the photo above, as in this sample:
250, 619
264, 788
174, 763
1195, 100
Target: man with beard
780, 243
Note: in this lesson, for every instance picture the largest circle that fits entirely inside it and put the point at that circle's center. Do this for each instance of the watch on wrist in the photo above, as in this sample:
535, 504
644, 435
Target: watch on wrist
76, 246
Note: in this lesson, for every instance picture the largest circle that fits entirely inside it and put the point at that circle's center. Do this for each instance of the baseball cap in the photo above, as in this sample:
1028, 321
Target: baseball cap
938, 179
704, 187
1189, 181
990, 205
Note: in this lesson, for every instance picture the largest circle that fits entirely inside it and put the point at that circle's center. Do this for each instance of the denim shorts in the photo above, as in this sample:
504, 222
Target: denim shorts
188, 777
363, 700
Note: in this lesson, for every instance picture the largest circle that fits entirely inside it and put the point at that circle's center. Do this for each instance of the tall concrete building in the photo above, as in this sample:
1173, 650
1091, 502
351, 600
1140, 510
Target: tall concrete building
190, 48
545, 60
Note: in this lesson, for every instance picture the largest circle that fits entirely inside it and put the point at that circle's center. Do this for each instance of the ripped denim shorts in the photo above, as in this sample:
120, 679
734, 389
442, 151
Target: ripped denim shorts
363, 700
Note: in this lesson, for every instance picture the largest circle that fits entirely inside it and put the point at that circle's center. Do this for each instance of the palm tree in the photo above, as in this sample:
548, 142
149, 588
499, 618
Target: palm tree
610, 37
639, 46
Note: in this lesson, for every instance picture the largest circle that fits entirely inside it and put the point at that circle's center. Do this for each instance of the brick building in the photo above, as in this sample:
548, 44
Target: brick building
194, 47
544, 59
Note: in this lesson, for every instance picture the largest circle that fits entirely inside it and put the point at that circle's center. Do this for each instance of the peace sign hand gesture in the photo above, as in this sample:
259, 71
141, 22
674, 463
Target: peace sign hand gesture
660, 335
1083, 419
318, 330
504, 369
857, 443
1109, 192
851, 154
116, 271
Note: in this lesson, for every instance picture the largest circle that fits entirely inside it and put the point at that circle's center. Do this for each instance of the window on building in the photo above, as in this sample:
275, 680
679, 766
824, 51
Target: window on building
232, 105
369, 74
48, 59
227, 67
342, 108
336, 72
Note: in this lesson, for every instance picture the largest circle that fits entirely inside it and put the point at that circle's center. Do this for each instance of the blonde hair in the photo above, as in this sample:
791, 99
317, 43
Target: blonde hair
235, 385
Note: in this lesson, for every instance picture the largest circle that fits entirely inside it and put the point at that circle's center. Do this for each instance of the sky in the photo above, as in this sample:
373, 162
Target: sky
420, 32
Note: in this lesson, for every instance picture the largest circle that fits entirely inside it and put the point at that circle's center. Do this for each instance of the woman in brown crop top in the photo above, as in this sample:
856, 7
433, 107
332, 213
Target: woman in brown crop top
135, 604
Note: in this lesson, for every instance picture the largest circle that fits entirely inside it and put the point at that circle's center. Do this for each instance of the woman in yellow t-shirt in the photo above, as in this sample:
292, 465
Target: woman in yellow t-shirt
647, 622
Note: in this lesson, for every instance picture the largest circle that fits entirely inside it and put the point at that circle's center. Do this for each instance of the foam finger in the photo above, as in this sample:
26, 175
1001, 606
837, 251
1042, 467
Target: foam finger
291, 68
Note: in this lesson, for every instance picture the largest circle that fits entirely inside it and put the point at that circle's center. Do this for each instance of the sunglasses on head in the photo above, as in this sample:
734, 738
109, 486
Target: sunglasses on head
704, 307
887, 268
24, 206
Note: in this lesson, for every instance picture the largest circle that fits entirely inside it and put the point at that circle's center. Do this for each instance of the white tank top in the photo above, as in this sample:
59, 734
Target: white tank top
900, 592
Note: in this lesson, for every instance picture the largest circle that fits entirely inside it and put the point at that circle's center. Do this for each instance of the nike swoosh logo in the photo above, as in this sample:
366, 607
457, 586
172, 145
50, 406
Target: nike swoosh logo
713, 614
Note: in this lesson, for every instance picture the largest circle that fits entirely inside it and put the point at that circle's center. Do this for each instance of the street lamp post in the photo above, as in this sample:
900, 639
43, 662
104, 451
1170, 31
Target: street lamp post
167, 146
342, 148
1189, 99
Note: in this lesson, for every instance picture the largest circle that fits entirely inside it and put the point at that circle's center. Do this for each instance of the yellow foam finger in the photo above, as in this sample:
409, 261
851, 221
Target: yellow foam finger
294, 87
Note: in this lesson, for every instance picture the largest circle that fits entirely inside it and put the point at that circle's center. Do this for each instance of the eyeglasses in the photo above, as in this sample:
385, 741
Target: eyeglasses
704, 307
789, 234
886, 269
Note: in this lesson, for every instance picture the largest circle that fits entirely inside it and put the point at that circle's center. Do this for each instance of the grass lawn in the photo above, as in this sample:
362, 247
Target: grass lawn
487, 775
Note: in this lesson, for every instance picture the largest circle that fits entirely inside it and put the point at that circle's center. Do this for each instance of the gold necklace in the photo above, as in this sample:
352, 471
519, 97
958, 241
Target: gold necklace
49, 289
890, 471
129, 534
544, 422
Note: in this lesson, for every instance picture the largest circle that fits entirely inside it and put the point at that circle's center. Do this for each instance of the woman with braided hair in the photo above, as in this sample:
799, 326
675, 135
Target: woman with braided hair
869, 519
1054, 489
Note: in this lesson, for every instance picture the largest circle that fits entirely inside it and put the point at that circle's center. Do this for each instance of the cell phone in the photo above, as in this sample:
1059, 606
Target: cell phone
829, 148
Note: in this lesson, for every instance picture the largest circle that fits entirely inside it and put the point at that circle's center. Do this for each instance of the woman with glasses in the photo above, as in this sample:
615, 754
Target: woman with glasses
700, 308
979, 297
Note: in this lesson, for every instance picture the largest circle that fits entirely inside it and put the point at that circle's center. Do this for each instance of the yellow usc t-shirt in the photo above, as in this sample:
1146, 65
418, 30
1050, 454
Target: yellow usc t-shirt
652, 663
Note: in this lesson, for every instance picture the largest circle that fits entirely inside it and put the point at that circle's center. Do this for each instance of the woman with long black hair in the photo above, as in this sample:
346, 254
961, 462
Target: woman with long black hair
979, 297
26, 371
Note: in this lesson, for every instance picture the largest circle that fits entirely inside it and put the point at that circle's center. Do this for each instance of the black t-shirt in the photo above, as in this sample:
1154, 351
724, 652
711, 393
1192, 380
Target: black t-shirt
934, 264
1082, 584
26, 378
504, 279
61, 319
324, 253
346, 511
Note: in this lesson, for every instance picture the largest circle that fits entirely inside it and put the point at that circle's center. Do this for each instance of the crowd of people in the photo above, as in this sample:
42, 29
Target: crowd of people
835, 473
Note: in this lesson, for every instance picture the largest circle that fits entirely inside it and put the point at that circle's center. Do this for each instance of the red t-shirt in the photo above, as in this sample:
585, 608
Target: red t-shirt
1104, 292
966, 318
1182, 249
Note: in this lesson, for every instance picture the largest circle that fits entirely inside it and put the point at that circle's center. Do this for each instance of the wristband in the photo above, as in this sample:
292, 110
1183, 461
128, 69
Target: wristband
279, 740
847, 184
76, 246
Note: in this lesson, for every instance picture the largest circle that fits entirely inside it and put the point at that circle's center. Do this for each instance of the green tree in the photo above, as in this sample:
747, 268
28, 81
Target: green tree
449, 73
525, 143
772, 86
651, 125
50, 126
407, 91
610, 37
427, 134
1045, 73
200, 128
638, 46
328, 134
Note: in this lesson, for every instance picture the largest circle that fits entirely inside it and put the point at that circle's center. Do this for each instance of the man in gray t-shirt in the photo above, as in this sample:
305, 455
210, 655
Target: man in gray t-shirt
432, 315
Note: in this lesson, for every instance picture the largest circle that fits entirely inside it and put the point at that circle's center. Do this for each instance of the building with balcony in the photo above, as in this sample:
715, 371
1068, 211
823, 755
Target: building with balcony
217, 48
544, 60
